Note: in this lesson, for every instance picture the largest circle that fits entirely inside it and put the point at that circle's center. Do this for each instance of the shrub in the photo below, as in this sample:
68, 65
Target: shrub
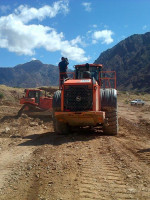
1, 95
126, 101
137, 93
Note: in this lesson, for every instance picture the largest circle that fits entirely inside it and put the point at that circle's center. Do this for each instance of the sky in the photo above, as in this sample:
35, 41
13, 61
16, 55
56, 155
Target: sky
80, 30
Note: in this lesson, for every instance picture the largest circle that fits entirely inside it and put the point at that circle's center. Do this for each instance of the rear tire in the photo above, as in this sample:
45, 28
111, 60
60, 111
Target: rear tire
109, 105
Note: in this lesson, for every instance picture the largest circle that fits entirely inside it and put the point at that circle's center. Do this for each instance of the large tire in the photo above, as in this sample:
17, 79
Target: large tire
109, 105
59, 127
111, 126
108, 99
57, 101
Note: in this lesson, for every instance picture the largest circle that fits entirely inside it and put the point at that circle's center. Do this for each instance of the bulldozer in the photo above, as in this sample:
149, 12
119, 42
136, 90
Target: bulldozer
87, 99
35, 102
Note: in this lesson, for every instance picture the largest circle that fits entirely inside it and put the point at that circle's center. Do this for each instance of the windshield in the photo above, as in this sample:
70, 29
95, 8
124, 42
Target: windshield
94, 71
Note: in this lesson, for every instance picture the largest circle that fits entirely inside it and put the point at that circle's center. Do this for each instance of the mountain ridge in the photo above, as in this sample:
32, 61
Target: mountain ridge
30, 74
130, 58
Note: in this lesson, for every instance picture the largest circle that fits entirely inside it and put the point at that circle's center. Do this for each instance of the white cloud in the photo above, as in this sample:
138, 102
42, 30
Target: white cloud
106, 26
77, 40
87, 6
94, 25
22, 38
33, 59
144, 27
94, 41
26, 14
105, 36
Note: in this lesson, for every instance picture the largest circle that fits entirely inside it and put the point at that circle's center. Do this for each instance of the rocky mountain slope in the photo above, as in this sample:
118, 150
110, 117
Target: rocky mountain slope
30, 74
130, 58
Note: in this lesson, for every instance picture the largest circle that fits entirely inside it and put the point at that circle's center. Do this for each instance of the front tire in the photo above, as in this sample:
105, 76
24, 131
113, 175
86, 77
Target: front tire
59, 127
111, 127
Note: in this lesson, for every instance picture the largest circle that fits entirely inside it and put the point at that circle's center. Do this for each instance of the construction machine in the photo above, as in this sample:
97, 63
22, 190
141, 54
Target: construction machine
87, 99
36, 102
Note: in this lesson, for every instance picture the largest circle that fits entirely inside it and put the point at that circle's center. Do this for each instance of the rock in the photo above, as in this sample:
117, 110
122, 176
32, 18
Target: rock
50, 182
33, 124
24, 115
7, 130
132, 190
37, 175
40, 122
29, 167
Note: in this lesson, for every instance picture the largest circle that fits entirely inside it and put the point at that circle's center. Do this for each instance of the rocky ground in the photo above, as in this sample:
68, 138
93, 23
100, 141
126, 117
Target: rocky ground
38, 164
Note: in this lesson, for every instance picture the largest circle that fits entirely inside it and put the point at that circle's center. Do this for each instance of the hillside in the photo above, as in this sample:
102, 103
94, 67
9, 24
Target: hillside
30, 74
130, 58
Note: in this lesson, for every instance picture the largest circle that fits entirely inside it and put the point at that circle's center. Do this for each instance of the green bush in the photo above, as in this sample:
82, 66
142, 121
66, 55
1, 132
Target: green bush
137, 93
126, 101
1, 95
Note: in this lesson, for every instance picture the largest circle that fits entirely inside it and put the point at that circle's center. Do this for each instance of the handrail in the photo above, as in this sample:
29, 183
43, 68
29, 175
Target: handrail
106, 81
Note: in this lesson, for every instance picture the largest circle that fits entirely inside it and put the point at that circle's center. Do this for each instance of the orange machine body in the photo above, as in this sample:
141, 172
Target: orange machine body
35, 97
71, 96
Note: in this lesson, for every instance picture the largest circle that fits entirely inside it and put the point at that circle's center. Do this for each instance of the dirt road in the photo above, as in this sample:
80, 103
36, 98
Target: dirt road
38, 164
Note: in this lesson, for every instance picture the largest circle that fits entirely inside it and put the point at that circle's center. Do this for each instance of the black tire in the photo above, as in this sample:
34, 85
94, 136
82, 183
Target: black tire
111, 126
108, 99
57, 101
59, 127
109, 105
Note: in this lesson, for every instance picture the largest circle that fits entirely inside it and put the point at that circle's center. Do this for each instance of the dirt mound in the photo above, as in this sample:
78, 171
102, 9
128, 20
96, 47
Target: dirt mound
10, 95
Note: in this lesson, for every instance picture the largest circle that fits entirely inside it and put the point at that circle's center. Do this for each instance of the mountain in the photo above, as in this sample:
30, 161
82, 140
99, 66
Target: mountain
30, 74
130, 59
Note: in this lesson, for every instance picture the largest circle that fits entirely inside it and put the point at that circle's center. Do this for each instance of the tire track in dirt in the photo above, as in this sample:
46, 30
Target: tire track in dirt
136, 140
102, 178
9, 159
135, 171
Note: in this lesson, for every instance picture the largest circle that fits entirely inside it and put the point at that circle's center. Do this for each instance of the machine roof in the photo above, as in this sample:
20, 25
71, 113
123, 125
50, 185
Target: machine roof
91, 65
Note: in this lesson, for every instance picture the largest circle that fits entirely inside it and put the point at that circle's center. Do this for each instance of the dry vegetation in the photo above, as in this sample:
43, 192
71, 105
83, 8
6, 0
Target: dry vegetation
38, 164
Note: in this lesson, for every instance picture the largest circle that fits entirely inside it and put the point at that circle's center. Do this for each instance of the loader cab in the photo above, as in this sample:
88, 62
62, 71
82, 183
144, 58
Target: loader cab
88, 71
35, 94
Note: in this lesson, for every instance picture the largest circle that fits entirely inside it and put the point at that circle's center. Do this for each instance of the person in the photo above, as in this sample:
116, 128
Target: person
87, 73
63, 69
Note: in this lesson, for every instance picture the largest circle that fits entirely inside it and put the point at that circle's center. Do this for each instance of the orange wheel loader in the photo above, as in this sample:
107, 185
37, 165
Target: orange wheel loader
88, 99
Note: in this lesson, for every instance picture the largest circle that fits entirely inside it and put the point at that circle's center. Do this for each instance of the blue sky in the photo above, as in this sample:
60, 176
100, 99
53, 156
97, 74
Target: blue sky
77, 29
